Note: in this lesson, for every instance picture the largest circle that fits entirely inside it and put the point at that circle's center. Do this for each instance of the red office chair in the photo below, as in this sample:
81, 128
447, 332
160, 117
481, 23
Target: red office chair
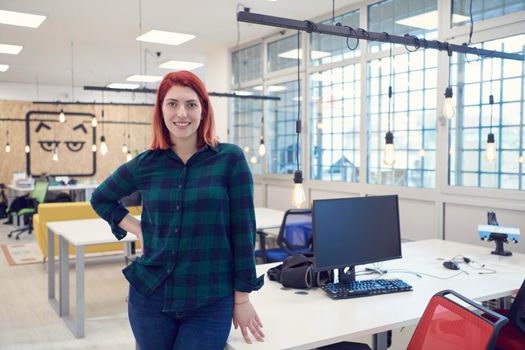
512, 335
446, 324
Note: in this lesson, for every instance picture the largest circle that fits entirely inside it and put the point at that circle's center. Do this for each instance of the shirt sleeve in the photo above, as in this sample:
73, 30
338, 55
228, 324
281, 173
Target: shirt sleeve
242, 223
106, 198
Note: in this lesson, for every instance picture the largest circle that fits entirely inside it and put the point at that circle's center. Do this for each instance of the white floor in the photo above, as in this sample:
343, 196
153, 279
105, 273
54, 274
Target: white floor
27, 320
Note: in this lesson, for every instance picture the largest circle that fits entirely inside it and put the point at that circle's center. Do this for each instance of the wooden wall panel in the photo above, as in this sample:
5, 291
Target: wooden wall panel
115, 130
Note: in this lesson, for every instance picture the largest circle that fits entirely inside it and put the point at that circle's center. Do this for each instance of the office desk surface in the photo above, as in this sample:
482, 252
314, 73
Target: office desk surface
296, 321
268, 218
87, 232
75, 187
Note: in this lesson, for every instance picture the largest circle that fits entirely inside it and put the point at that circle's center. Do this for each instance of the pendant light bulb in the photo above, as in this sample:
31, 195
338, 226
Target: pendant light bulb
55, 155
389, 156
94, 122
253, 160
27, 149
246, 149
129, 156
124, 148
62, 116
449, 108
262, 148
490, 148
103, 145
94, 147
298, 195
7, 147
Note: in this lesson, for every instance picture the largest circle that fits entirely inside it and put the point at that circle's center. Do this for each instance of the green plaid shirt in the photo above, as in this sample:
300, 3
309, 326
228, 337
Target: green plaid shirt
198, 224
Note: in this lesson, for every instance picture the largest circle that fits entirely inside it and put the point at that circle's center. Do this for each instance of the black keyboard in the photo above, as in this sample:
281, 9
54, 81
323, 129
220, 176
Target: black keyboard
363, 288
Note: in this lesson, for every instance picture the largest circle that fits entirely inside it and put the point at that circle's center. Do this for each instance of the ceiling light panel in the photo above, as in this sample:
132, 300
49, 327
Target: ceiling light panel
10, 49
144, 78
21, 19
181, 65
162, 37
428, 20
314, 54
123, 86
4, 67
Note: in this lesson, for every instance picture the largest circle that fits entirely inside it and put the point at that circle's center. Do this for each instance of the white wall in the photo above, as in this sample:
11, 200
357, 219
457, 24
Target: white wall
217, 80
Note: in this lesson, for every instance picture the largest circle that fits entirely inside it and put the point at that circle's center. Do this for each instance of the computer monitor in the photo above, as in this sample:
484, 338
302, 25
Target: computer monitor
355, 231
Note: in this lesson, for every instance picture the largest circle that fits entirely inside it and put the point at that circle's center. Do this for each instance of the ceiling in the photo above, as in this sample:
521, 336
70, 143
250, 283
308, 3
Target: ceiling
94, 40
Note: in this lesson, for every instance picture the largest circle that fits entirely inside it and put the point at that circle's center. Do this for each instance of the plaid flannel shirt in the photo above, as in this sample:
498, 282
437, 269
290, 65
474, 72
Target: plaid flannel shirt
198, 223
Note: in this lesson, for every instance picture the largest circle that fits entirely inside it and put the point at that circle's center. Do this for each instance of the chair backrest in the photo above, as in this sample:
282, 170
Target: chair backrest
295, 232
446, 324
517, 310
40, 190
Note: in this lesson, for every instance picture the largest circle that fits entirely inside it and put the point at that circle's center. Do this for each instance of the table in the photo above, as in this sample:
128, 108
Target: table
96, 231
266, 218
296, 321
84, 189
79, 233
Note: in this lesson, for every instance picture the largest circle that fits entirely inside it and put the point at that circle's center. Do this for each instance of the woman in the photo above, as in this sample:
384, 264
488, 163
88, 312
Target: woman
197, 227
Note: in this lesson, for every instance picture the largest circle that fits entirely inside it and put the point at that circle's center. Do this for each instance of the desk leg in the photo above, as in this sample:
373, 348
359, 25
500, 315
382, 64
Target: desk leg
51, 272
63, 276
379, 341
81, 307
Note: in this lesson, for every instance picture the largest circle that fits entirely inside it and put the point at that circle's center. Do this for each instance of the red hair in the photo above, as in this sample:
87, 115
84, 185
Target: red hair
206, 130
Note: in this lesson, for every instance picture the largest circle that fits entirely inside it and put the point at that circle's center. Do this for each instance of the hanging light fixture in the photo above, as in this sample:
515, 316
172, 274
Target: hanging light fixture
262, 147
124, 146
55, 154
246, 149
94, 147
490, 148
7, 145
389, 156
253, 160
129, 156
103, 145
27, 149
94, 122
449, 108
298, 195
62, 116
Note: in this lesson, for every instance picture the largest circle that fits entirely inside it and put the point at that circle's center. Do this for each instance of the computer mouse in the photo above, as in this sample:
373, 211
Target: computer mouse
450, 265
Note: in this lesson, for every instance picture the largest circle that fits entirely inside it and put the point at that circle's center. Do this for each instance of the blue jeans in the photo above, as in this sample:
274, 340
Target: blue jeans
207, 327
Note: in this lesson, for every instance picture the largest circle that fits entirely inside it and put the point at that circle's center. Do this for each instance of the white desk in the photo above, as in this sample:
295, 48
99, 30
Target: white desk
293, 321
85, 189
96, 231
266, 218
79, 233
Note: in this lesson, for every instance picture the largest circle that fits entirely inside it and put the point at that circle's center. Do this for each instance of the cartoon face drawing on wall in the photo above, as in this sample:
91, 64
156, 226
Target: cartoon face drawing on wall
58, 148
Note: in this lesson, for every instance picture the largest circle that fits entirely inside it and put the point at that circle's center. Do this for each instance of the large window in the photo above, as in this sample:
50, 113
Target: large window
413, 119
247, 64
328, 48
282, 54
334, 123
482, 10
246, 127
281, 137
415, 17
476, 81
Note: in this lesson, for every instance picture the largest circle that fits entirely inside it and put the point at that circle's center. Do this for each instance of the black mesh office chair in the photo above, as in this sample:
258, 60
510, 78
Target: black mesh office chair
295, 236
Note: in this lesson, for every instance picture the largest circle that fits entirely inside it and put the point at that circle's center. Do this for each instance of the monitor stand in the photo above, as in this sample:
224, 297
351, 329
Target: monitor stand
346, 277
